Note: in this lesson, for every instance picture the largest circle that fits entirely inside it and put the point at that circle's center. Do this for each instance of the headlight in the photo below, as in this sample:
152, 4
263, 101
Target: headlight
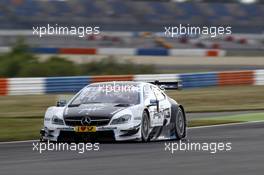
121, 120
57, 121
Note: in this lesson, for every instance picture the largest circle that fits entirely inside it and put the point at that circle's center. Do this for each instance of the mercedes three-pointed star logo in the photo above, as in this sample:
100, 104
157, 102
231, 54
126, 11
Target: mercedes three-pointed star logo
86, 121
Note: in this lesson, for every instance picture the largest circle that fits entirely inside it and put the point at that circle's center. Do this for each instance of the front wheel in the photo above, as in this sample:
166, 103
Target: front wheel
145, 125
180, 125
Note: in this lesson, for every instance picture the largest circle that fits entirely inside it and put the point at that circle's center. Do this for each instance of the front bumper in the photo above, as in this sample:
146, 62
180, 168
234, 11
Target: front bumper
103, 133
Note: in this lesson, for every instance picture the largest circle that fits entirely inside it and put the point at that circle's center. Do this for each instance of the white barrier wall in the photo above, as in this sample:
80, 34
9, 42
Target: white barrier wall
46, 85
116, 51
160, 77
25, 86
259, 77
5, 49
197, 52
187, 52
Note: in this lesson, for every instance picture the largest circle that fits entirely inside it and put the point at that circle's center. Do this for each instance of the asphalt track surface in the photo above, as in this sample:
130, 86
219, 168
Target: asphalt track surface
246, 156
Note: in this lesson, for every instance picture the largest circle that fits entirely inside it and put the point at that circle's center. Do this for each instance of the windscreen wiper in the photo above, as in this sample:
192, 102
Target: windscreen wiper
74, 105
122, 105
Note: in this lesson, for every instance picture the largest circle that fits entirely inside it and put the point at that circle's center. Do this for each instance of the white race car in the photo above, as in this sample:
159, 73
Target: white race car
116, 111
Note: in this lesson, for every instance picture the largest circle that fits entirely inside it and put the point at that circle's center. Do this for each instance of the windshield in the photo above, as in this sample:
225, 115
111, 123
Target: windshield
108, 93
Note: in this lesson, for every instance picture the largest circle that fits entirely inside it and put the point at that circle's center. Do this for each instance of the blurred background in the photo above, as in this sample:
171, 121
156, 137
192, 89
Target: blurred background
222, 77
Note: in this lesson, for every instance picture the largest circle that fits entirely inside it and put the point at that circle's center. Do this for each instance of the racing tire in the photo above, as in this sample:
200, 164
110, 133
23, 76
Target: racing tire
145, 127
41, 136
180, 125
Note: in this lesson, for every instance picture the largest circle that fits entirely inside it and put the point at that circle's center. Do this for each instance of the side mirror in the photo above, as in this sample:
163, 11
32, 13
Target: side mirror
61, 103
153, 102
162, 87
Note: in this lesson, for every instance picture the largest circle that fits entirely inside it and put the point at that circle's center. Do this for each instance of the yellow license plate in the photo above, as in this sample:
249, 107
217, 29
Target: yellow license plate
85, 129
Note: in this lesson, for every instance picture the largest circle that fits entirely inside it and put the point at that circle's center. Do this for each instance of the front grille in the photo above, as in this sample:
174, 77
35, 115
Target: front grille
95, 121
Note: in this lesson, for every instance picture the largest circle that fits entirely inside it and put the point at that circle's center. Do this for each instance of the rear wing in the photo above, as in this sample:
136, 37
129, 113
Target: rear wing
174, 85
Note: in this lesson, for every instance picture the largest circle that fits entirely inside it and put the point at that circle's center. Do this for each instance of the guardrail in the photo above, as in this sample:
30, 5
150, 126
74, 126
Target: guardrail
131, 51
126, 51
48, 85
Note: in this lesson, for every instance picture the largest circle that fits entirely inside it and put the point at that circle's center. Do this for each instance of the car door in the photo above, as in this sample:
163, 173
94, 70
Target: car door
163, 107
157, 112
148, 97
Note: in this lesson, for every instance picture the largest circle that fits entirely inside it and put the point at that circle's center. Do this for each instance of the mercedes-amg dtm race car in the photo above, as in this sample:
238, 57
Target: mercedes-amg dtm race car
116, 111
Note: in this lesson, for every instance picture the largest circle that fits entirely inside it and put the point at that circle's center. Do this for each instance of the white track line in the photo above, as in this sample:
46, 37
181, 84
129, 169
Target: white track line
227, 124
22, 141
196, 127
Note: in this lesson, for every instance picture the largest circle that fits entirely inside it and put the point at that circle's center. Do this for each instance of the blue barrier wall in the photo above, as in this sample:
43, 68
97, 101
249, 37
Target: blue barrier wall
42, 85
154, 52
198, 80
44, 50
66, 84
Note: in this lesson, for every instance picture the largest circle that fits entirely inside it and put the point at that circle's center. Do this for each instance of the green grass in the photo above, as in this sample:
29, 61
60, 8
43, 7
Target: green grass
229, 98
226, 119
19, 128
194, 123
25, 105
240, 117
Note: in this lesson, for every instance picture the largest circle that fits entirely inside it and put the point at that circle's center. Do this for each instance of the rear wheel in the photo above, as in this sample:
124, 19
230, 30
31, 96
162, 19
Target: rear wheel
180, 125
145, 127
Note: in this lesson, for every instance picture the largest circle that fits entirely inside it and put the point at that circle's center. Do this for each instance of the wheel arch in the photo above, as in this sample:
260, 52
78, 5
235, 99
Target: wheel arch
183, 110
174, 110
146, 109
